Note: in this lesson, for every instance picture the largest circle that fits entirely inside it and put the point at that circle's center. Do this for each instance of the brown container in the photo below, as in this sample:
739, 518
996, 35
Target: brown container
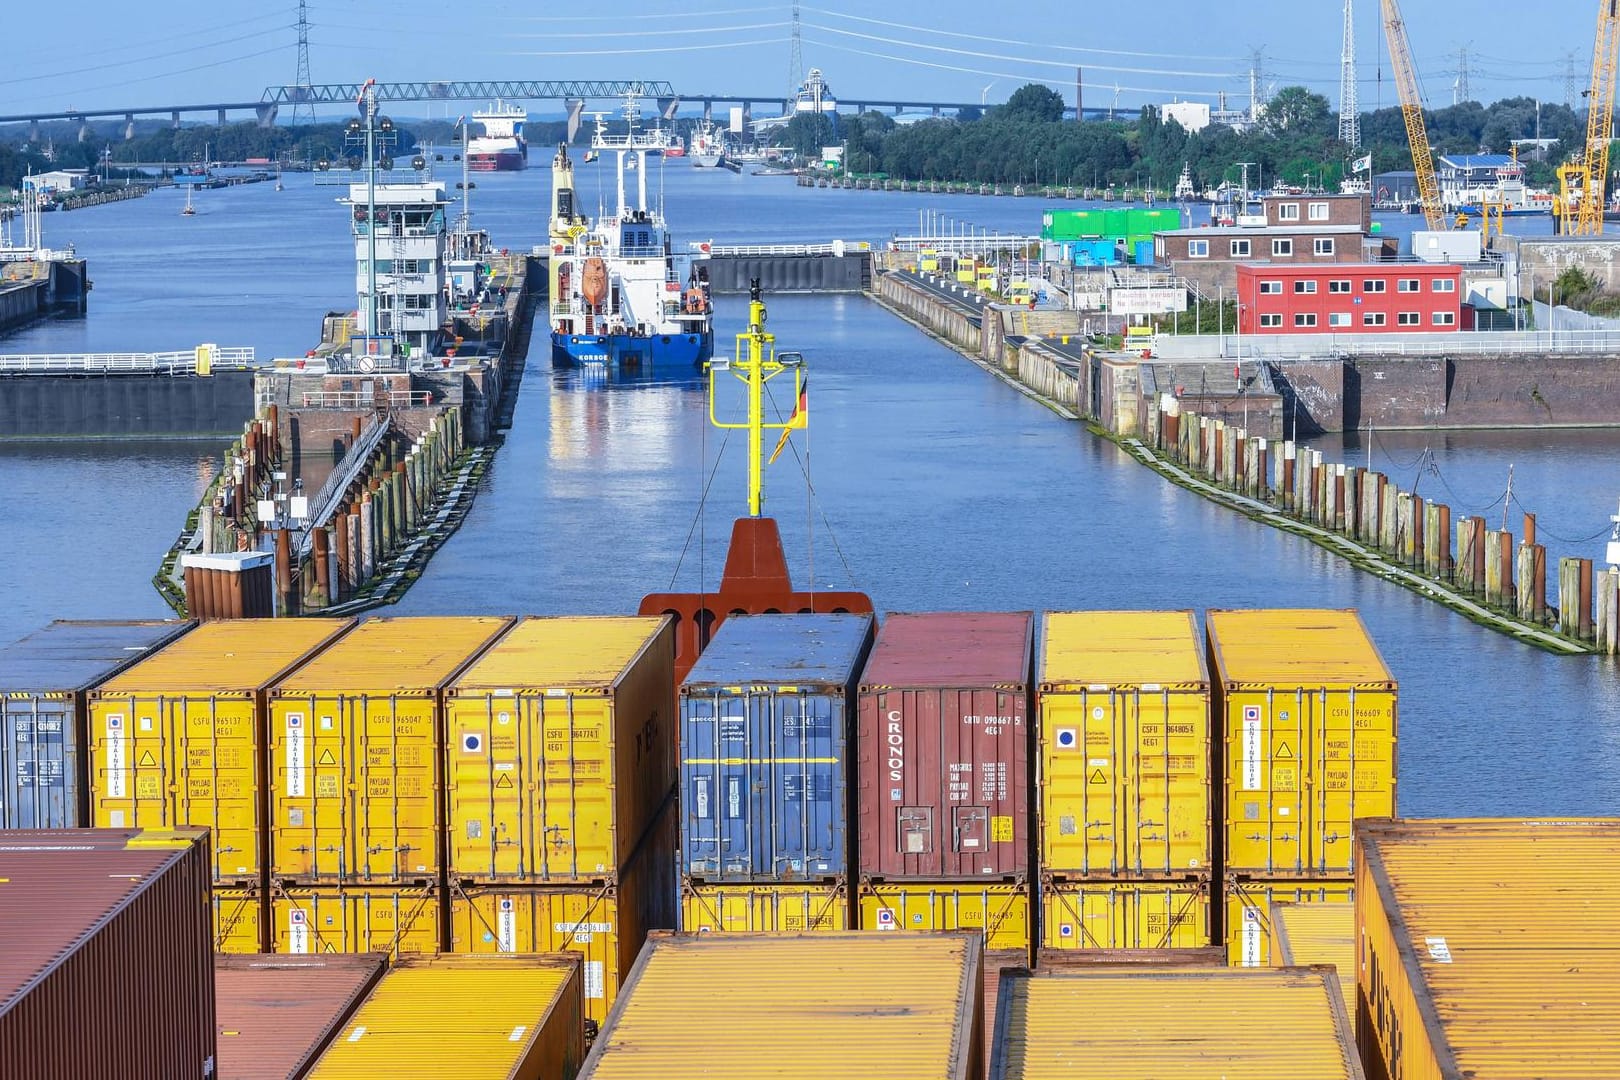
995, 961
106, 954
276, 1014
943, 747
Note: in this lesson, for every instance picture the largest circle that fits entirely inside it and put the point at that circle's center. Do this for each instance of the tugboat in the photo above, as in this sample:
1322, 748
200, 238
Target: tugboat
620, 296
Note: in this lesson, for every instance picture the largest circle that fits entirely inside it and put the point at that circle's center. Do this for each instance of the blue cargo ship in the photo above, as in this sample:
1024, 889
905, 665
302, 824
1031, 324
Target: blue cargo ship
620, 297
765, 723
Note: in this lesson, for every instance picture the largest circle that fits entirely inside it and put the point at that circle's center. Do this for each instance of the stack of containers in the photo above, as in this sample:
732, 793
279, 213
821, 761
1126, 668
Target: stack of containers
1114, 1022
766, 719
487, 1017
1486, 948
357, 822
1307, 712
179, 739
560, 776
798, 1007
277, 1014
106, 962
44, 713
942, 790
1123, 754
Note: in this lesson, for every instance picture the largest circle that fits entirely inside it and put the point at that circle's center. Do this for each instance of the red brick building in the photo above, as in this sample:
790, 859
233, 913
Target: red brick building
1352, 298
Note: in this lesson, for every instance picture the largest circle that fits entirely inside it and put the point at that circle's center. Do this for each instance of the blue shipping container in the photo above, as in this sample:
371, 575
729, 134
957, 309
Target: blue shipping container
43, 680
1144, 253
765, 731
1095, 253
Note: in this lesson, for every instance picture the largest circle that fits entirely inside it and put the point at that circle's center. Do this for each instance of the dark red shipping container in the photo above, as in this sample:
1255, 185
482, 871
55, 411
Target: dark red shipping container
943, 747
106, 954
278, 1013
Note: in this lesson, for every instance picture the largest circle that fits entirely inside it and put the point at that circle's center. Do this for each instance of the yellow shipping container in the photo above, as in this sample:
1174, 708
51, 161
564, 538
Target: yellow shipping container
780, 909
1153, 1023
606, 923
1486, 948
238, 920
355, 753
1125, 915
492, 1017
1000, 912
1308, 712
561, 749
1318, 933
1124, 745
1251, 936
178, 739
355, 919
810, 1006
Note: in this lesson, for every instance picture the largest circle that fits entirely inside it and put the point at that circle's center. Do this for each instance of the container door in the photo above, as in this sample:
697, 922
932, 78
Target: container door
574, 837
1353, 756
310, 773
1267, 734
490, 788
1169, 804
807, 760
394, 833
219, 763
39, 763
1082, 784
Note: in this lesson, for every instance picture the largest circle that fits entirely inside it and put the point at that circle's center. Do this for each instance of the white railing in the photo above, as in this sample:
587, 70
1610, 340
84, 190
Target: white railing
948, 244
353, 463
358, 399
1327, 346
128, 363
833, 247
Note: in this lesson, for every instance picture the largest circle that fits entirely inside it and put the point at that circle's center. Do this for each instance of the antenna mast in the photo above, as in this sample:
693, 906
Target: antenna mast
304, 110
796, 58
1349, 110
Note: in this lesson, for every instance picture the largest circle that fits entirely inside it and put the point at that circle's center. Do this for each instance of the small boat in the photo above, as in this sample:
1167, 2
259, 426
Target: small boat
187, 211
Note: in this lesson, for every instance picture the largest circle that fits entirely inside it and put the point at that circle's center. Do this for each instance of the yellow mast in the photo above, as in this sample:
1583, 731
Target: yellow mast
755, 365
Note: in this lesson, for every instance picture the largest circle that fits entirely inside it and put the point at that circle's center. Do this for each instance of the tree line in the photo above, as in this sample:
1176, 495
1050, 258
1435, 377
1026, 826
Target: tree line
1027, 141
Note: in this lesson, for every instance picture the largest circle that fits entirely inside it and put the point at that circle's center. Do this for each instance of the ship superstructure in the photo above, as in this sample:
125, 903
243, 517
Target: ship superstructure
620, 296
501, 146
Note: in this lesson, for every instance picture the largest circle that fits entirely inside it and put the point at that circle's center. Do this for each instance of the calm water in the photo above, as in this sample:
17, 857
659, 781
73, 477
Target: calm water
936, 487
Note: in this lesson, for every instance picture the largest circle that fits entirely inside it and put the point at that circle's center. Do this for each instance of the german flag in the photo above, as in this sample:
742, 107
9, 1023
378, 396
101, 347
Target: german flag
799, 419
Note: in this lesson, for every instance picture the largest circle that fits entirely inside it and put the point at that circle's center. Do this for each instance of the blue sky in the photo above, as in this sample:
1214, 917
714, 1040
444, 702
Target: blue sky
107, 53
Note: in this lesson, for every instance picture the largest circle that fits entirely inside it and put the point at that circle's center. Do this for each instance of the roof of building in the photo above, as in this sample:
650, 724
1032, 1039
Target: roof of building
1236, 232
1473, 161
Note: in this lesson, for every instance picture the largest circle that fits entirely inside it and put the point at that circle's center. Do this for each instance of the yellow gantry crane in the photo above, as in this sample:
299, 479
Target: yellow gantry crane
1583, 181
1400, 58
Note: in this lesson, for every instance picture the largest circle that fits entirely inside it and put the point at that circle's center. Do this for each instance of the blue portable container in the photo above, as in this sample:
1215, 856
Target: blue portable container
1144, 253
43, 681
1094, 253
765, 732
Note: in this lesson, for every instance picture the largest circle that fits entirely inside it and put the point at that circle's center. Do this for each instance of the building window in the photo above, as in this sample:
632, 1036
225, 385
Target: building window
1339, 318
1319, 211
1409, 318
1240, 249
1445, 318
1373, 318
1270, 288
1271, 320
1304, 318
1305, 287
1444, 285
1338, 286
1323, 245
1374, 285
1288, 211
1410, 284
1282, 247
1198, 249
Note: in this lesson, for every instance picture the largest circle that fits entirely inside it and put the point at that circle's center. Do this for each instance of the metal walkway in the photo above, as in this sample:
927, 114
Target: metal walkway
183, 362
328, 499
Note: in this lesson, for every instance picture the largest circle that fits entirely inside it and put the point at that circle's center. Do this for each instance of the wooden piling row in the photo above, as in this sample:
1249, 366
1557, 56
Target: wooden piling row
1405, 529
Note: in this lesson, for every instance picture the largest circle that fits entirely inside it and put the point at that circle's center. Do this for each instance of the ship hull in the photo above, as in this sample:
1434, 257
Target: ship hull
706, 161
630, 350
499, 161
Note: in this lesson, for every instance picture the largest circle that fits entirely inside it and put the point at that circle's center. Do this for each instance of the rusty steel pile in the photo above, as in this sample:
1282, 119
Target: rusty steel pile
448, 840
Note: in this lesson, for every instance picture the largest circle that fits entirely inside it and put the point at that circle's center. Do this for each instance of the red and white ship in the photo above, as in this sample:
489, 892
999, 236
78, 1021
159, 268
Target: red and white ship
500, 147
